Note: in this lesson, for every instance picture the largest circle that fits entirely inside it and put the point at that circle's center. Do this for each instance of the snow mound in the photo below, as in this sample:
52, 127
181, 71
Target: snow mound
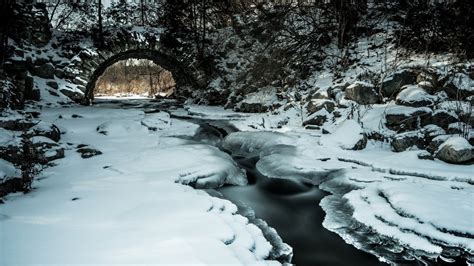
213, 112
246, 143
290, 162
348, 135
7, 170
157, 121
213, 169
413, 217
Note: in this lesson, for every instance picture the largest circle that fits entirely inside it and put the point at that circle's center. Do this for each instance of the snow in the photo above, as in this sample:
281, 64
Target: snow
213, 112
246, 143
129, 205
406, 110
265, 96
413, 94
346, 135
423, 215
7, 170
456, 143
424, 208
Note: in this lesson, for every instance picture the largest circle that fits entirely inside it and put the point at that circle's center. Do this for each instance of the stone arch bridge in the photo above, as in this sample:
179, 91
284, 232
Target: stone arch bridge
76, 59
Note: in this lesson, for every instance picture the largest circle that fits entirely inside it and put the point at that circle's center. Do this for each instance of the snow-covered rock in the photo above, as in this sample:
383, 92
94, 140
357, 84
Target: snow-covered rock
444, 117
455, 150
413, 95
392, 84
362, 93
406, 140
404, 118
317, 104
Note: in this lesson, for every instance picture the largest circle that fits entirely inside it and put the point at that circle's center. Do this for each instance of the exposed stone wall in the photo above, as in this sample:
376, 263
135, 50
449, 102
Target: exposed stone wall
77, 59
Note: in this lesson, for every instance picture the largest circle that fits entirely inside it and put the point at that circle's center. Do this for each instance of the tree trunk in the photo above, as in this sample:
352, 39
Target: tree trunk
101, 30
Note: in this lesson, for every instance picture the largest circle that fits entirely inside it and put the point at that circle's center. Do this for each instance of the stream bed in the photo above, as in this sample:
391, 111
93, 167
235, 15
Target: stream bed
291, 207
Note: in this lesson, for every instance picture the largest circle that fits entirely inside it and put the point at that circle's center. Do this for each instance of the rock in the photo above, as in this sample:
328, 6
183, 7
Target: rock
53, 84
46, 149
361, 144
458, 128
402, 142
16, 124
11, 185
316, 119
434, 144
50, 131
444, 118
424, 155
88, 152
432, 131
73, 95
455, 150
392, 84
253, 108
319, 94
412, 95
362, 93
44, 71
403, 118
11, 153
459, 86
316, 105
79, 81
40, 61
35, 95
428, 76
59, 73
427, 86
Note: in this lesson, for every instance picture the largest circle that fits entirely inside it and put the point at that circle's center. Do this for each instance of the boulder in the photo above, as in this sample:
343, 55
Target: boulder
253, 108
402, 142
413, 95
362, 93
46, 149
404, 118
53, 84
316, 119
458, 128
317, 105
455, 150
50, 131
434, 144
424, 155
74, 95
444, 118
44, 71
87, 152
392, 84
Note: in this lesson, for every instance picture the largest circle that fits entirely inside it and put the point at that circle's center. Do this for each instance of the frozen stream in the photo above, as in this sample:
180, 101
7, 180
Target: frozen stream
289, 206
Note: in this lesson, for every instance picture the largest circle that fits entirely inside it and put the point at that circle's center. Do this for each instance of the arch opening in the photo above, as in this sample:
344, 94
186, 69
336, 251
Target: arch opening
135, 78
169, 72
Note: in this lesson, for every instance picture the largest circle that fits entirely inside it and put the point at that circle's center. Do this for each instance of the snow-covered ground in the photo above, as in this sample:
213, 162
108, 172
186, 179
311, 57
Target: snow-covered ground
135, 203
424, 207
131, 204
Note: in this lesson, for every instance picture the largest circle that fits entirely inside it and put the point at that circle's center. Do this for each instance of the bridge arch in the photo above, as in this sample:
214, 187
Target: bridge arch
180, 75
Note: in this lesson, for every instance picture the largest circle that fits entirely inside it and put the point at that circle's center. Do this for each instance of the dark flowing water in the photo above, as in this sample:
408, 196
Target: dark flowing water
289, 206
292, 208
